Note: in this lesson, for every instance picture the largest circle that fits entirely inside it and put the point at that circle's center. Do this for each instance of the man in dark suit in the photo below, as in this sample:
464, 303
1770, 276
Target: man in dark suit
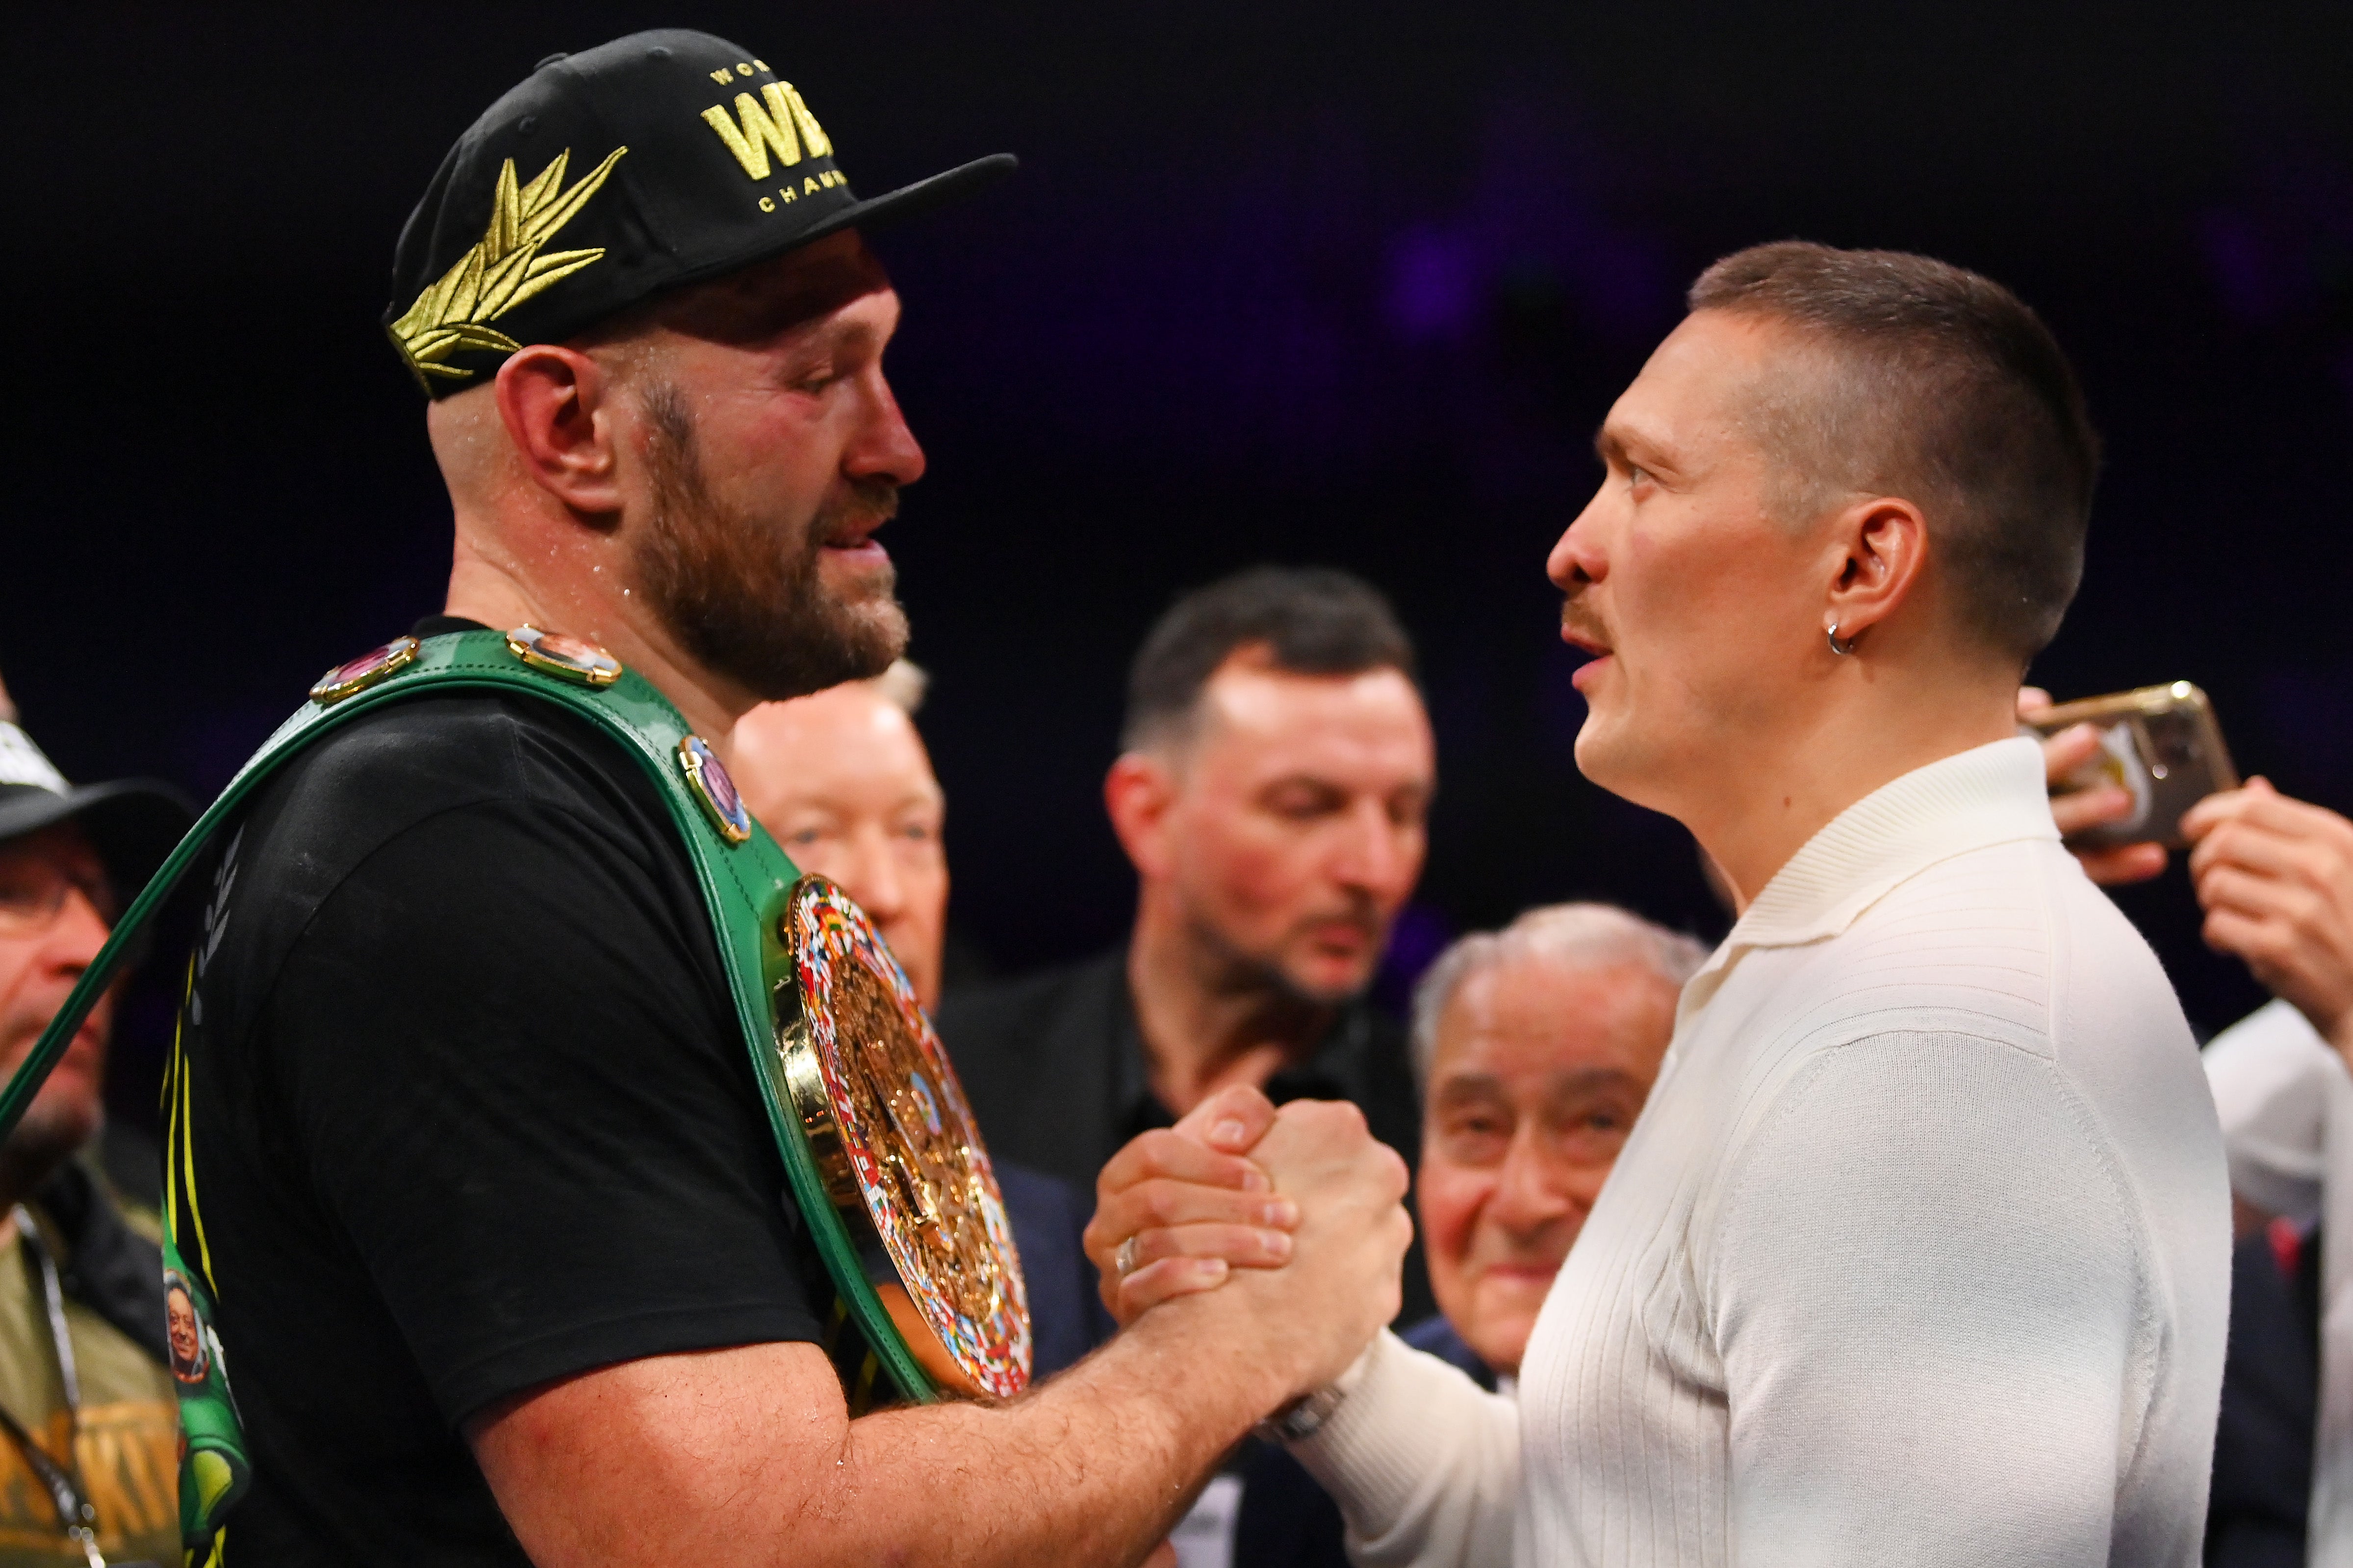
1272, 791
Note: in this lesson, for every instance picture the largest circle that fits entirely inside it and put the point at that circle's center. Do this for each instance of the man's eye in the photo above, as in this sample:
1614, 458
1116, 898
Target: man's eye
1475, 1143
1635, 475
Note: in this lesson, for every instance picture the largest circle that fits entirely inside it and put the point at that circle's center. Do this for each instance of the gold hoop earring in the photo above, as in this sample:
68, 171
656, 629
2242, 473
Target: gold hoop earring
1838, 647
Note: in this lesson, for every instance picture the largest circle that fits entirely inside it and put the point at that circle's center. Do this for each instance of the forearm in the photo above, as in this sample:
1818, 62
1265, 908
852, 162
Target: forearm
745, 1457
1088, 1470
1424, 1463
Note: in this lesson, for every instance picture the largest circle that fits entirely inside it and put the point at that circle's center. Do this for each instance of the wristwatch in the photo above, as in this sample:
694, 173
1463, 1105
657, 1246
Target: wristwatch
1302, 1417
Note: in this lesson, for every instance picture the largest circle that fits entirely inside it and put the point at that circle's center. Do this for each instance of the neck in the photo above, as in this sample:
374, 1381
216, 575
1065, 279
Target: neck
1864, 734
584, 588
1207, 1020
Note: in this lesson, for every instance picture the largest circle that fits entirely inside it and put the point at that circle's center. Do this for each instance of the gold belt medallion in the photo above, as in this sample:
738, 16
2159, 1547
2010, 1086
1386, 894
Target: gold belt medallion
902, 1156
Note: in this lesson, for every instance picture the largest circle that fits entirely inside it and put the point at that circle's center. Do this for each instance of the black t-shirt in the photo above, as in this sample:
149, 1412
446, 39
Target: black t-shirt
471, 1112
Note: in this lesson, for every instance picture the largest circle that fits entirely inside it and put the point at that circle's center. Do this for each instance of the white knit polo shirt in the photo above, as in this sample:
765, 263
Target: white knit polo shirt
1918, 1255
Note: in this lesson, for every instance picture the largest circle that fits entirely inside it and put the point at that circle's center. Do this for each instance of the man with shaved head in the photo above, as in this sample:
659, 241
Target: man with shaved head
511, 1252
1920, 1250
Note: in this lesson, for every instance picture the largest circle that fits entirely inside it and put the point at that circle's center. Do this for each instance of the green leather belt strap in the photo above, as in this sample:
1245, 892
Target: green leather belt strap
744, 885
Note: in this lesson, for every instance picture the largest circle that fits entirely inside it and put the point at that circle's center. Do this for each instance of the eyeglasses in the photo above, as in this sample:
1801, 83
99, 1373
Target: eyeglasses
33, 889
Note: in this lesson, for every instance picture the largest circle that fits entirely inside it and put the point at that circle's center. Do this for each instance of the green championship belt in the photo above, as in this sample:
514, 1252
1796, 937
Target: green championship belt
885, 1163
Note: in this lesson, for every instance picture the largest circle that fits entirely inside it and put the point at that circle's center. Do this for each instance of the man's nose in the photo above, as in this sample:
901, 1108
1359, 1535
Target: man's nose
73, 939
1376, 855
885, 447
1578, 559
874, 879
1531, 1190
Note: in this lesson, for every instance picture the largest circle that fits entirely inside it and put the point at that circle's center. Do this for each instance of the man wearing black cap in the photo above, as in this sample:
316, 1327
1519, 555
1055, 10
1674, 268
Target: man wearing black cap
501, 1241
86, 1405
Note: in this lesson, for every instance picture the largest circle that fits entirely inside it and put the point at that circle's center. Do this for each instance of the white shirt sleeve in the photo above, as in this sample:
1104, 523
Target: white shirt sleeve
2271, 1073
1424, 1463
1928, 1285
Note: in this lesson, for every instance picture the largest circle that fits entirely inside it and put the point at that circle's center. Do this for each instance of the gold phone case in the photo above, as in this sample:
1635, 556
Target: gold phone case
2161, 745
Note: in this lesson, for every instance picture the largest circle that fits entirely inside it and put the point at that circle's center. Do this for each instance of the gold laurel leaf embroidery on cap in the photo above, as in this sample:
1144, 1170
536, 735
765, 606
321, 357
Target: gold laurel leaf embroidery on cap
505, 267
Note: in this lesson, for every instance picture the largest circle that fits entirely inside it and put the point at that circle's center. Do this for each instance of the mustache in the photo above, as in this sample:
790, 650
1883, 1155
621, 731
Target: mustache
868, 503
1575, 617
1359, 912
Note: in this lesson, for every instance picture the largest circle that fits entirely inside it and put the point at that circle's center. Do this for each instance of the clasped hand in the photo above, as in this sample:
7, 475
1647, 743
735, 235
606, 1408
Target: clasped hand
1295, 1213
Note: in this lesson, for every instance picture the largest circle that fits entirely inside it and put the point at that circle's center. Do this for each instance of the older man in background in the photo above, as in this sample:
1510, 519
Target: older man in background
842, 780
1534, 1048
89, 1427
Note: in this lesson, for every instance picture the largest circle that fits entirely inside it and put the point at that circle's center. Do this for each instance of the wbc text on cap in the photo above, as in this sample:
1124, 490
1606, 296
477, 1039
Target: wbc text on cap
604, 177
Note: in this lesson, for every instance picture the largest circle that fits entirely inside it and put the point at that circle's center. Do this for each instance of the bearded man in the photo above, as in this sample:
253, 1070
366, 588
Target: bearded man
1920, 1250
471, 1156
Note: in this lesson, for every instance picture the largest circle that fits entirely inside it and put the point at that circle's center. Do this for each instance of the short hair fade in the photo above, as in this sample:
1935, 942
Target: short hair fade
1943, 388
1310, 620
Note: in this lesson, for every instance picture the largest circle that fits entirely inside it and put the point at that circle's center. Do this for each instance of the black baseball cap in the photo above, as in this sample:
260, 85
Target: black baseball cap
133, 824
663, 158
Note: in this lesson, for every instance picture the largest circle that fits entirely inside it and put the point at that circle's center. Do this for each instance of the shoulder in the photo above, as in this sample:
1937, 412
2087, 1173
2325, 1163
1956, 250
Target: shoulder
1910, 1131
501, 757
452, 749
1018, 1014
490, 835
2011, 941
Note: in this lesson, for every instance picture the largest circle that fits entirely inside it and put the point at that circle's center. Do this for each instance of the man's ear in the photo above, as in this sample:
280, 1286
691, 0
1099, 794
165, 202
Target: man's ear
559, 408
1138, 792
1879, 548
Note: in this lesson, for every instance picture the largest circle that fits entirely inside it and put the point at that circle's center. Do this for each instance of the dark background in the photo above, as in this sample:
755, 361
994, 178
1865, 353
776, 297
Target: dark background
1298, 283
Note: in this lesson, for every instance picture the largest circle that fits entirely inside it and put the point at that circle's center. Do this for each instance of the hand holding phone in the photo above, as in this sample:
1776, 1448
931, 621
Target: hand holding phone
2125, 768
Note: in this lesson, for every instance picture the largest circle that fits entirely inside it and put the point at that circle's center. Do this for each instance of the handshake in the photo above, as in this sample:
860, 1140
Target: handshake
1276, 1235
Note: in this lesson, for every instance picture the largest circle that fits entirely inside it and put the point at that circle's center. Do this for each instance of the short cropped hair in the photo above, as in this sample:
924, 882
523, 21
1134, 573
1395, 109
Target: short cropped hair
1942, 387
1569, 936
1309, 620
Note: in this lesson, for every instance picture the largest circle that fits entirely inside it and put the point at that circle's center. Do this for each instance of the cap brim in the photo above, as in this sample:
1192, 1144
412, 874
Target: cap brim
913, 200
893, 206
133, 824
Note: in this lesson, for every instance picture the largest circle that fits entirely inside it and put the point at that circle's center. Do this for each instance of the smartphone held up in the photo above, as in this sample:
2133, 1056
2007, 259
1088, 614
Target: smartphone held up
2160, 745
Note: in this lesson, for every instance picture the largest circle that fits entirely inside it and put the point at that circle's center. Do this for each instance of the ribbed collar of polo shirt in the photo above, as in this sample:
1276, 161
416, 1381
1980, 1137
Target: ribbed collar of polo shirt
1990, 795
